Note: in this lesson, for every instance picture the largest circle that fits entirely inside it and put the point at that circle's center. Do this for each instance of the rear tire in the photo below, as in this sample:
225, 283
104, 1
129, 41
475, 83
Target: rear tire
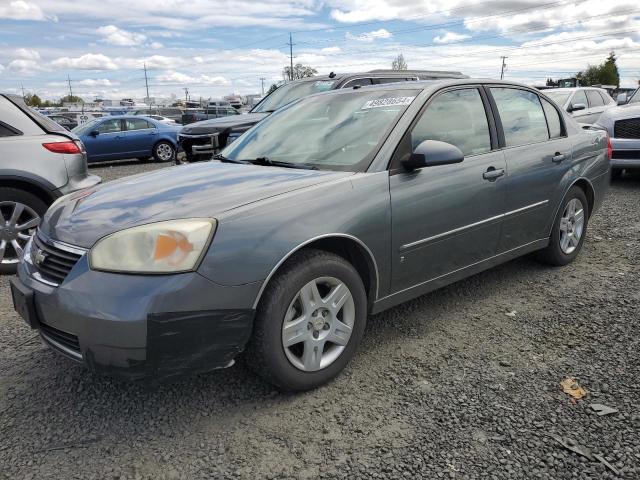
303, 337
21, 213
569, 229
164, 151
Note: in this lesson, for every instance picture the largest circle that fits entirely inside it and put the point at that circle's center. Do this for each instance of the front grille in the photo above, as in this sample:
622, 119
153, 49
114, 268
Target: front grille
188, 142
62, 341
629, 128
53, 263
626, 154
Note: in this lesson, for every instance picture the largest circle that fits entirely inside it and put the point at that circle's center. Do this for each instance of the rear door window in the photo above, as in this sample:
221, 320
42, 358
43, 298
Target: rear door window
595, 100
8, 131
523, 119
457, 117
136, 124
110, 126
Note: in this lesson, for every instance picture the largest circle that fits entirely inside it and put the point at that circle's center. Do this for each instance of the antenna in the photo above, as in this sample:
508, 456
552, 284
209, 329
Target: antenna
503, 67
70, 91
146, 83
262, 79
291, 57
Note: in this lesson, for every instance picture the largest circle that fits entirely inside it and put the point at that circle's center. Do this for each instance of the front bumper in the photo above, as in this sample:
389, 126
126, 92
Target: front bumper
626, 153
200, 144
140, 326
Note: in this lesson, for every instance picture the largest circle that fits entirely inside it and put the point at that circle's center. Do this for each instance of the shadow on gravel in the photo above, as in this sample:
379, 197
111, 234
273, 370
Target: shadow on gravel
120, 163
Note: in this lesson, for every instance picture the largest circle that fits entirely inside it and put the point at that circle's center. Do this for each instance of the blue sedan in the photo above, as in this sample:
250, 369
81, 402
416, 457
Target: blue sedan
128, 136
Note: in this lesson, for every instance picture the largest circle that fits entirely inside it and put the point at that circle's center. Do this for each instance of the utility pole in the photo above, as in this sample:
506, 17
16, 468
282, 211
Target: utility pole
24, 98
186, 96
146, 83
291, 57
70, 91
503, 67
262, 79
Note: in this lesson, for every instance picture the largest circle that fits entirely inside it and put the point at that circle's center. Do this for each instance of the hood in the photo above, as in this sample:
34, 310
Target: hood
222, 123
621, 112
197, 190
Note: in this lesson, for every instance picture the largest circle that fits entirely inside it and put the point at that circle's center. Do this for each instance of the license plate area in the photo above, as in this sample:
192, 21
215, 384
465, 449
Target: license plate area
22, 297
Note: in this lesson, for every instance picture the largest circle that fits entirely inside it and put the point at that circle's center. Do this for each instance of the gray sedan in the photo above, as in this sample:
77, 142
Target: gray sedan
337, 206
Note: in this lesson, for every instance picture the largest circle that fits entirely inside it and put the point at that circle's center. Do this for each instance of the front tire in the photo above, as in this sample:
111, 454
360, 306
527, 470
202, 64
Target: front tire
309, 323
569, 229
20, 214
164, 151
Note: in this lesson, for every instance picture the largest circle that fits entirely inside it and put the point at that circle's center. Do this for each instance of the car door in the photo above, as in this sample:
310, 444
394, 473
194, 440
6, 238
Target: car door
105, 140
596, 105
139, 136
447, 217
538, 154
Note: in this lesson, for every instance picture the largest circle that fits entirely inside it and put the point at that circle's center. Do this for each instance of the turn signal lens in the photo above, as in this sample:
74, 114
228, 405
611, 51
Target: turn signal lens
163, 247
62, 147
609, 147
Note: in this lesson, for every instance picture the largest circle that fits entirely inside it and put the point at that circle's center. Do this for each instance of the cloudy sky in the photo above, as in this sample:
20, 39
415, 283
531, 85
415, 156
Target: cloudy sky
216, 47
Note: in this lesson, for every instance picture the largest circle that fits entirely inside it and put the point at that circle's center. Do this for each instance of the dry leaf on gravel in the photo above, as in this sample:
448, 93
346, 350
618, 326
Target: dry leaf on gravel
570, 386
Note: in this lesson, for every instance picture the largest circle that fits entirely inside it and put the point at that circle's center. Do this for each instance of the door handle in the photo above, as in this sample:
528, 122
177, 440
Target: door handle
558, 157
492, 174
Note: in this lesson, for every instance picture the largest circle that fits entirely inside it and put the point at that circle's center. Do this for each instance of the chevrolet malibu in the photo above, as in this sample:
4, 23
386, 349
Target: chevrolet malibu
337, 206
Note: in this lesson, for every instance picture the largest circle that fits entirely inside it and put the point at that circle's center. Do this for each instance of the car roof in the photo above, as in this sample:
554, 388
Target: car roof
431, 84
381, 73
574, 89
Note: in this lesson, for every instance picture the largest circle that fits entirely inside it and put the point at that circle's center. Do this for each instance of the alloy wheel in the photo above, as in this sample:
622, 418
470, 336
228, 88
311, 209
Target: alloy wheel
17, 223
165, 152
318, 324
571, 226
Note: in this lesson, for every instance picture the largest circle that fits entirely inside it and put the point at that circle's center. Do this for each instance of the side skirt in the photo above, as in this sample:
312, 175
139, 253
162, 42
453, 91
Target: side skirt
439, 282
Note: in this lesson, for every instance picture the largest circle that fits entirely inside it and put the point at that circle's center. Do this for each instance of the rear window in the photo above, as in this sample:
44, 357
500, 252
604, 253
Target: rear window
43, 122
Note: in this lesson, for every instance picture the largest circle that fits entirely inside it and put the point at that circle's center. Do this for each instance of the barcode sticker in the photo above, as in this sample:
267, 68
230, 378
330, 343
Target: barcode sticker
388, 102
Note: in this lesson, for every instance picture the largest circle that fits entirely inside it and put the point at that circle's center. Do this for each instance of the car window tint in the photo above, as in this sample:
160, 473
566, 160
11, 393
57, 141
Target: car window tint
595, 100
6, 131
357, 82
553, 119
136, 124
109, 126
579, 97
522, 117
457, 117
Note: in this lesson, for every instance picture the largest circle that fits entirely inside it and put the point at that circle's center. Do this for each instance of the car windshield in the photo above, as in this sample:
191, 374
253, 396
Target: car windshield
290, 92
85, 127
559, 97
329, 132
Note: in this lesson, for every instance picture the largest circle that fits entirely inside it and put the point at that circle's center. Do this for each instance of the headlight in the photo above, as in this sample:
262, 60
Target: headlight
163, 247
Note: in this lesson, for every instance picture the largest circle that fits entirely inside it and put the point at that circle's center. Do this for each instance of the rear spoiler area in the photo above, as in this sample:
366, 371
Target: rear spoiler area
46, 124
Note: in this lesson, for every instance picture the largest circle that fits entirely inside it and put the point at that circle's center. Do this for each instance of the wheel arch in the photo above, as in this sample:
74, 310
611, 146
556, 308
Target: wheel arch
586, 186
351, 248
47, 195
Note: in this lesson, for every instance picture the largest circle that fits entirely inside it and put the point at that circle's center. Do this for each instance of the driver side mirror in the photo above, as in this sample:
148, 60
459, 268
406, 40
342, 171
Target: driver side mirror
578, 106
622, 99
431, 153
94, 133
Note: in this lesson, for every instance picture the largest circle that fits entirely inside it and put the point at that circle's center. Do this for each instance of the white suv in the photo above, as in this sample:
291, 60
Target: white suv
39, 162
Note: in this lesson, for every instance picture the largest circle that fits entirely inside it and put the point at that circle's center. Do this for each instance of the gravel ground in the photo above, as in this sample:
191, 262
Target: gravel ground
445, 386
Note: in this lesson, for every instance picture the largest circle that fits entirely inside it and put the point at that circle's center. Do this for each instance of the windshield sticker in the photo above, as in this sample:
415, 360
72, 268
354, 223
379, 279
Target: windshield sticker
388, 102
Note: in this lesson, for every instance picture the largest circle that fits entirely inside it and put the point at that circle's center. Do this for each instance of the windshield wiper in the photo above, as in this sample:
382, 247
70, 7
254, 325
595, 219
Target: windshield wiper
275, 163
224, 159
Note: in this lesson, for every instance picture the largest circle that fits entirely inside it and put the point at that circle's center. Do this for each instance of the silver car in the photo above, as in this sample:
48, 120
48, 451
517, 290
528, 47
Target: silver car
623, 125
338, 205
585, 104
39, 162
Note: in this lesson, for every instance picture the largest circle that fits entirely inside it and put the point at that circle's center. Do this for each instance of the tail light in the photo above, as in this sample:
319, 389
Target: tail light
609, 147
69, 147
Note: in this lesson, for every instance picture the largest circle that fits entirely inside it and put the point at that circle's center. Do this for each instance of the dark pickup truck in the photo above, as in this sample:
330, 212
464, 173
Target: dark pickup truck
209, 113
201, 140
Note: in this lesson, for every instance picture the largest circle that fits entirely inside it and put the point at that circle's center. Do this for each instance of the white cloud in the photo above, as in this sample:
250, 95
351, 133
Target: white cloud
88, 61
21, 10
96, 82
26, 54
24, 67
156, 45
117, 36
177, 77
369, 36
331, 50
450, 37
